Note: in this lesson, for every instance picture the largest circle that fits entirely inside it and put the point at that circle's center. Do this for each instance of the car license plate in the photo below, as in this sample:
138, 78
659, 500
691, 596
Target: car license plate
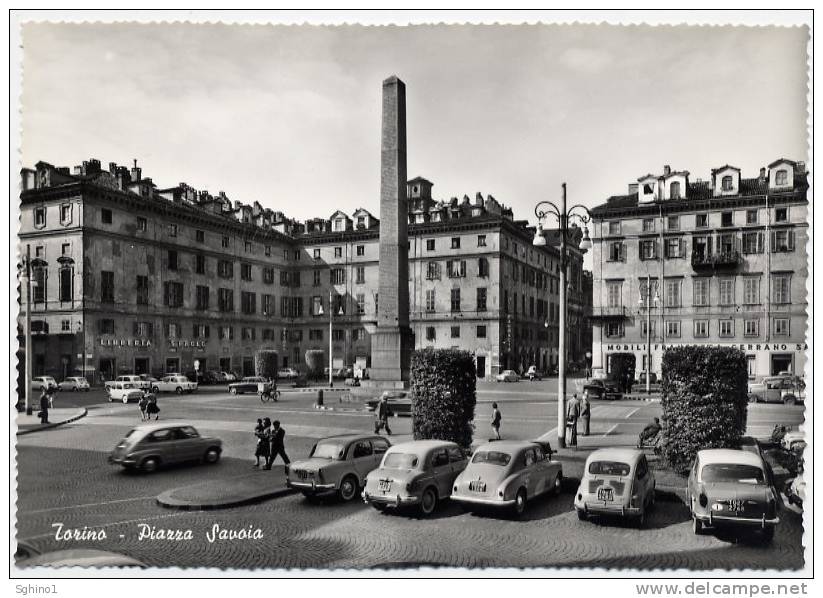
477, 486
384, 485
736, 506
605, 494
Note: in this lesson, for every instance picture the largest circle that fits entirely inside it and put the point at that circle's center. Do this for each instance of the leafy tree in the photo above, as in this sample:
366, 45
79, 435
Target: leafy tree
315, 358
265, 363
704, 402
443, 388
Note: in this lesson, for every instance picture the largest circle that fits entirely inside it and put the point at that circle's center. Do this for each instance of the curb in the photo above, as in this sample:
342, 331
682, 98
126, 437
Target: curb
164, 500
54, 424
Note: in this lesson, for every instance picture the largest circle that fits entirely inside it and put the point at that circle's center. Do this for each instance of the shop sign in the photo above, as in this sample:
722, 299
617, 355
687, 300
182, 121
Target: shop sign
742, 346
176, 343
125, 342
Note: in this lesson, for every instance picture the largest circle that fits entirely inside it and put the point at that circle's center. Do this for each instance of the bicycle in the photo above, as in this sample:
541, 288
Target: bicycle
268, 395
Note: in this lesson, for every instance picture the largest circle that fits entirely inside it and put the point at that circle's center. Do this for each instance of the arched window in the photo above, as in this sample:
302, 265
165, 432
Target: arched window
781, 177
727, 183
675, 190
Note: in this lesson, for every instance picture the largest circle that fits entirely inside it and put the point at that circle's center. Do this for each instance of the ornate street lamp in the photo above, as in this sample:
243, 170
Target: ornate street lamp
331, 328
27, 268
563, 215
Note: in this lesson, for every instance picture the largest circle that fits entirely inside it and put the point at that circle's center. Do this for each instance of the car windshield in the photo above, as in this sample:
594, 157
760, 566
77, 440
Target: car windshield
615, 468
732, 472
400, 461
328, 450
492, 457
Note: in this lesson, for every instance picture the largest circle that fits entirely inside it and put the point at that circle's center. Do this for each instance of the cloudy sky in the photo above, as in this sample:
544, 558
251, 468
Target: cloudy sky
290, 116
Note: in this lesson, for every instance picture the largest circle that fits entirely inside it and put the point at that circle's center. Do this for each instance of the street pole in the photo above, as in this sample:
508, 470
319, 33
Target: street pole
561, 370
27, 373
648, 333
331, 312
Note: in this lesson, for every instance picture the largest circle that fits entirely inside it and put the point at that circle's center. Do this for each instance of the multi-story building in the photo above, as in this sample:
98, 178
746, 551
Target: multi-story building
726, 263
149, 280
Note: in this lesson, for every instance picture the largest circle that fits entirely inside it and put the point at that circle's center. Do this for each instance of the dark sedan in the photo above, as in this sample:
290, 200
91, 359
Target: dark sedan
150, 446
602, 389
399, 402
247, 384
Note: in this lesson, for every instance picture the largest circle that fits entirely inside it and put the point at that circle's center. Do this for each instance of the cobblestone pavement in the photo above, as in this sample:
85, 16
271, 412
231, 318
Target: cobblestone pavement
78, 488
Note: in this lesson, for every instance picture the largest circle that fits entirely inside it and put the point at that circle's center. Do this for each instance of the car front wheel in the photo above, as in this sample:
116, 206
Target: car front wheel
150, 465
233, 391
789, 400
178, 390
156, 390
581, 514
520, 502
212, 456
768, 534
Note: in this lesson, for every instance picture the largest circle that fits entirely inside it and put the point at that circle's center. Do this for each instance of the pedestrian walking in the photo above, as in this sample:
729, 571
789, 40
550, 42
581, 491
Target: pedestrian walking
382, 416
44, 407
152, 408
572, 415
262, 443
277, 437
585, 413
143, 404
497, 417
50, 393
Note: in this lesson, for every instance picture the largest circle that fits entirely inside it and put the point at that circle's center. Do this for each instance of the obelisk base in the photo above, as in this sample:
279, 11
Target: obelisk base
390, 357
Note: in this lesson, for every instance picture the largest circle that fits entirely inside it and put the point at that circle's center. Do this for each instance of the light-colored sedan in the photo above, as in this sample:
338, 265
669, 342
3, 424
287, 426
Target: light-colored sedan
338, 464
150, 446
41, 383
419, 473
174, 383
123, 391
731, 488
74, 383
507, 474
507, 376
616, 481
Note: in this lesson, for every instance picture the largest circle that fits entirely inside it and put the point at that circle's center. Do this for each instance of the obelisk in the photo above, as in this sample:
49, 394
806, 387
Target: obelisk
392, 343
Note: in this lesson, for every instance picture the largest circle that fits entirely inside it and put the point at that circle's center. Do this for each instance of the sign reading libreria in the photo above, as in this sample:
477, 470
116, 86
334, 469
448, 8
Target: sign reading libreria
142, 342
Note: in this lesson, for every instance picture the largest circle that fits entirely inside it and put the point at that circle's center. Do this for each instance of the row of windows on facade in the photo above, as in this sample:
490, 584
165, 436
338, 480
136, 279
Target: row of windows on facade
674, 223
142, 329
701, 291
725, 328
781, 179
729, 244
454, 332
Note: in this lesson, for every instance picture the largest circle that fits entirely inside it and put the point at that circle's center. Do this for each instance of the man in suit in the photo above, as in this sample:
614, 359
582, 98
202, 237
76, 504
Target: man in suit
277, 446
573, 414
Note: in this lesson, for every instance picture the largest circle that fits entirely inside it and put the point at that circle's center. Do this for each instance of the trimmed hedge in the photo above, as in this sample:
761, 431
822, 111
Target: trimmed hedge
443, 386
704, 402
315, 358
265, 363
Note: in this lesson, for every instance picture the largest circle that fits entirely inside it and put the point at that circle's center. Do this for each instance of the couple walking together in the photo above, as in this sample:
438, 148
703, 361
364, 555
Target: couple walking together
270, 443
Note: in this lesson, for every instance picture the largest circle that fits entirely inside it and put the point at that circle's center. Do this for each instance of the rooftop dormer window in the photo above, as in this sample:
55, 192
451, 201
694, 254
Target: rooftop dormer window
727, 183
674, 190
338, 224
781, 177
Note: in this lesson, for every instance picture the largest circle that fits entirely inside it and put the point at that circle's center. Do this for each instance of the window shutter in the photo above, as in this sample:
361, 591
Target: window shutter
760, 242
462, 267
773, 242
791, 240
640, 250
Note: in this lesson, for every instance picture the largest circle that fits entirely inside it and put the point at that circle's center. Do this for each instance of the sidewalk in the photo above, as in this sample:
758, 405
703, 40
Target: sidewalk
223, 493
26, 424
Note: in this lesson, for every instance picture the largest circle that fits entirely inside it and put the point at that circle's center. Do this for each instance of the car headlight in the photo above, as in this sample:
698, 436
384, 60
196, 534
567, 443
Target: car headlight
320, 475
717, 507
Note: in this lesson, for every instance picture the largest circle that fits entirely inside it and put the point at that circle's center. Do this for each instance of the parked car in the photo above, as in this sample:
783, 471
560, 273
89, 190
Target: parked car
602, 388
731, 488
150, 446
507, 376
133, 379
74, 383
351, 381
40, 383
419, 473
178, 384
123, 391
399, 402
212, 377
195, 376
287, 373
337, 464
776, 389
641, 378
793, 440
507, 474
300, 382
616, 481
229, 377
534, 374
247, 384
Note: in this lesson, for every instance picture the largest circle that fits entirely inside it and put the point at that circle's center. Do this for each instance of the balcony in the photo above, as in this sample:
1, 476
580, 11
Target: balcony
718, 261
605, 312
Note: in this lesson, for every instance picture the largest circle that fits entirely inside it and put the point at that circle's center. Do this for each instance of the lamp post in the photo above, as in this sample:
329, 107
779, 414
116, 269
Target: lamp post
27, 268
331, 328
647, 301
563, 215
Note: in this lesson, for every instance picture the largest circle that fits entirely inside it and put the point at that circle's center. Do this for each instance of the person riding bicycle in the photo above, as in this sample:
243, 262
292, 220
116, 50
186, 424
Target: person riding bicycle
267, 389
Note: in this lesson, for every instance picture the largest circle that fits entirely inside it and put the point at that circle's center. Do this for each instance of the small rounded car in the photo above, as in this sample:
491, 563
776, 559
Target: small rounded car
43, 383
337, 465
419, 473
247, 384
616, 481
730, 488
74, 383
150, 446
507, 474
123, 391
507, 376
793, 440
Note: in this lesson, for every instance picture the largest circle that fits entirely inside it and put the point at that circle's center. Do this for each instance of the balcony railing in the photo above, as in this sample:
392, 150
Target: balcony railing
601, 311
725, 259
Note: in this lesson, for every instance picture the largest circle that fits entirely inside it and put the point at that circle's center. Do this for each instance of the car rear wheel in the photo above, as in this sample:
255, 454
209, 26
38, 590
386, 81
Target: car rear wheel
558, 484
768, 534
150, 464
178, 390
428, 501
379, 506
520, 502
789, 400
212, 456
125, 399
156, 390
752, 398
641, 518
348, 488
697, 526
581, 514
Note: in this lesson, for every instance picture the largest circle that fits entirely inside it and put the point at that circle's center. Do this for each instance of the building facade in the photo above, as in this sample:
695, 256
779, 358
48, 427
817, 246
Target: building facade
135, 278
716, 262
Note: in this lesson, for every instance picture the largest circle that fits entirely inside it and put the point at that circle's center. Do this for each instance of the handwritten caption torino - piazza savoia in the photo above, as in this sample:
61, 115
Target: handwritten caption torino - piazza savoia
151, 533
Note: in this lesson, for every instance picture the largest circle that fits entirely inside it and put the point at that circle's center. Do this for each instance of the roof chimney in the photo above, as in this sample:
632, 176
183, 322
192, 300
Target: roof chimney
135, 171
762, 174
667, 170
